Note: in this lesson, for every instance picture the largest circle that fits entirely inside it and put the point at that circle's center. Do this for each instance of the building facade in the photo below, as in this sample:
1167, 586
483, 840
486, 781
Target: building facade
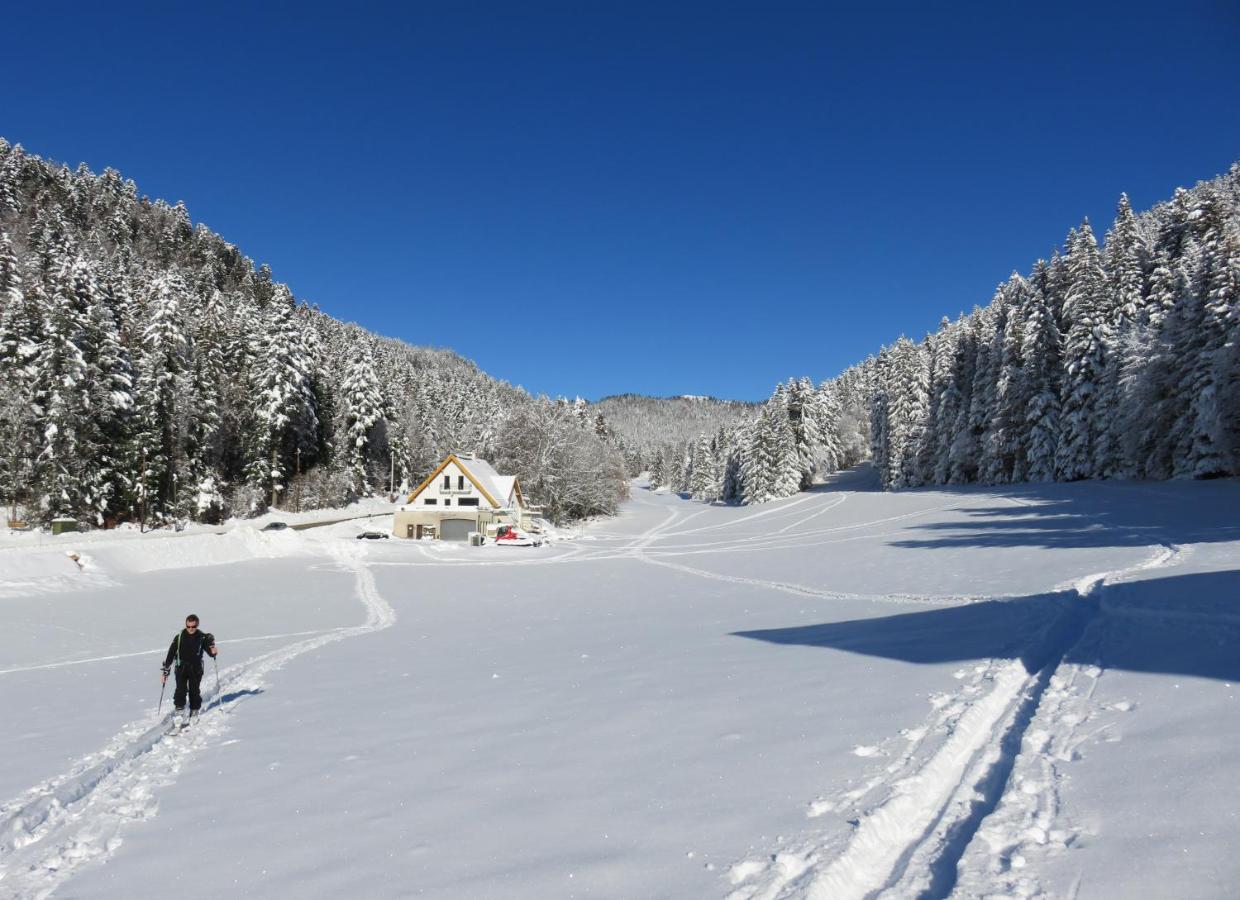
464, 494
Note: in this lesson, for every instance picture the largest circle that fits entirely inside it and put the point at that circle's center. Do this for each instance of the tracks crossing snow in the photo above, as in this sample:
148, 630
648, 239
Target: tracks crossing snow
78, 818
910, 842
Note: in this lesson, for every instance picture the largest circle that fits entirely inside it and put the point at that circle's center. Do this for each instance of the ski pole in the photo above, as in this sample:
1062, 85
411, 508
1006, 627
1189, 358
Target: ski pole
163, 687
218, 698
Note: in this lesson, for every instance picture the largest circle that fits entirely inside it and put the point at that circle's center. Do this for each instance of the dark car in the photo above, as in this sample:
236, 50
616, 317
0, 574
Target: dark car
373, 536
275, 526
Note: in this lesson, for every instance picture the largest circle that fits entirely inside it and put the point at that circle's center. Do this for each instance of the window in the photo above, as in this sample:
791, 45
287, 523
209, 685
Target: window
460, 482
447, 501
430, 501
447, 482
467, 501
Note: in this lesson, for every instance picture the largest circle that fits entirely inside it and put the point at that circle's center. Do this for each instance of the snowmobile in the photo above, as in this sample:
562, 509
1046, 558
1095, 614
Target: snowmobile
509, 536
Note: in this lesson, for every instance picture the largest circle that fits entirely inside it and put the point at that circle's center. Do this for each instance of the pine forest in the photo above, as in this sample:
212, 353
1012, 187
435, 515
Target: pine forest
1112, 361
150, 372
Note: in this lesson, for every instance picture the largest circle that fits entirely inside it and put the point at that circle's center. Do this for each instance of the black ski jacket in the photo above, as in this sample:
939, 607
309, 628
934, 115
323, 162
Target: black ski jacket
187, 649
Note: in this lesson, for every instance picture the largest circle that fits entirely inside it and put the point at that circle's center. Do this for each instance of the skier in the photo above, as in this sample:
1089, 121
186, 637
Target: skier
187, 649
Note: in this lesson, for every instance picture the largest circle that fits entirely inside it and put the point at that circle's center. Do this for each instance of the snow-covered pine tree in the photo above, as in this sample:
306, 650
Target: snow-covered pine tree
1203, 331
804, 415
287, 417
205, 429
907, 413
1227, 377
658, 475
10, 168
1126, 259
704, 482
1084, 349
62, 395
21, 336
110, 434
880, 409
1005, 459
938, 370
831, 446
160, 393
1148, 376
1041, 370
732, 489
758, 459
364, 412
973, 380
955, 361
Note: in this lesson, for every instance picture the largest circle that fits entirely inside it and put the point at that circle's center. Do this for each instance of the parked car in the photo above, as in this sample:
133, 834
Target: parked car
373, 536
275, 526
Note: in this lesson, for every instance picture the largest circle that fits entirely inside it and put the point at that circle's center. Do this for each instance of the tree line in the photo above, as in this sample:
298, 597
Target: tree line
150, 371
1119, 361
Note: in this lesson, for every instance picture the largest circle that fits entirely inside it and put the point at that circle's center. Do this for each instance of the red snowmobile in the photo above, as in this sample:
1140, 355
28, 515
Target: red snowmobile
509, 536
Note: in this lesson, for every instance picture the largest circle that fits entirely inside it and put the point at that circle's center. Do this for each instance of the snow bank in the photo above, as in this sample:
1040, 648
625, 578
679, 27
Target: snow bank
48, 568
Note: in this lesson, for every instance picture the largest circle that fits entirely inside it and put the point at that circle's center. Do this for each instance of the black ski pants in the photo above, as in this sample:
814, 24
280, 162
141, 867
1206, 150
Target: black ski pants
189, 679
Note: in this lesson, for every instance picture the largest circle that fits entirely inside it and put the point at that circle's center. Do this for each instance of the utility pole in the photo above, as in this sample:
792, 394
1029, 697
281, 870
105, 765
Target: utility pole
142, 494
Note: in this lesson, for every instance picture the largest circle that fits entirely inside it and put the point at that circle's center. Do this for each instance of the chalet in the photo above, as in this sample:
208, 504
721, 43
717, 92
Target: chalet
463, 494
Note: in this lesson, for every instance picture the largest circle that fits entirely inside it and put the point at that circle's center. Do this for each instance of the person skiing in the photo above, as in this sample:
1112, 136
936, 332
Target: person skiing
187, 649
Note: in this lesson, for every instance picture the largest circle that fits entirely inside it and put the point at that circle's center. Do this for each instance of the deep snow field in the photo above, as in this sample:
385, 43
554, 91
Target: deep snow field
1014, 692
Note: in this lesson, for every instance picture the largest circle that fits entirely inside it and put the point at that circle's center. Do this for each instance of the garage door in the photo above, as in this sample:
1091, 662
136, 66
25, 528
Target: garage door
456, 529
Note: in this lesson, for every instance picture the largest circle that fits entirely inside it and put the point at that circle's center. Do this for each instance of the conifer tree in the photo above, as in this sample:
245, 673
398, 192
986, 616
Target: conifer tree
1210, 303
704, 483
364, 411
1041, 367
287, 417
63, 395
907, 413
165, 353
111, 381
1005, 459
1084, 357
658, 476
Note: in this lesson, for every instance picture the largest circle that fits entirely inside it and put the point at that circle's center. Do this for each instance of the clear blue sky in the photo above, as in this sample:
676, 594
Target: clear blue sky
662, 198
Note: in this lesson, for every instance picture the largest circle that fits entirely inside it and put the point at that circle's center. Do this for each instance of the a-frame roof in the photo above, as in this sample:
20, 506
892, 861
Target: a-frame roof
483, 476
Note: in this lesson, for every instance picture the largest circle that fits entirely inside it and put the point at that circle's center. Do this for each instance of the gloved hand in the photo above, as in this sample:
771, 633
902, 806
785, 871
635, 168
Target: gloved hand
163, 671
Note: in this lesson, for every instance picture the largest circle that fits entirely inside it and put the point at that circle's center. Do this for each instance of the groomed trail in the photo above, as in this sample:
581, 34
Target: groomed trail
78, 818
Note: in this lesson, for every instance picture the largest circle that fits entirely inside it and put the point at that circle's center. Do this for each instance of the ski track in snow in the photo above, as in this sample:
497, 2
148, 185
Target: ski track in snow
984, 766
77, 818
150, 652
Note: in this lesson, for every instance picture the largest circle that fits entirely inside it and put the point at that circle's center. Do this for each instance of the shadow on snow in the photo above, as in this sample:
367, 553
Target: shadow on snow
1085, 515
1181, 625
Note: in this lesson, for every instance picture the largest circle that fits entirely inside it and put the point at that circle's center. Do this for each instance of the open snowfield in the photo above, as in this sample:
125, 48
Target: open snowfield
971, 692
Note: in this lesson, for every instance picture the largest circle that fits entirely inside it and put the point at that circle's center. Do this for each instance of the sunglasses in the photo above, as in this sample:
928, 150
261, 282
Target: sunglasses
190, 626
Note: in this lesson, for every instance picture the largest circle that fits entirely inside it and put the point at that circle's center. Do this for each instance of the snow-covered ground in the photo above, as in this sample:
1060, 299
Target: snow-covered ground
1020, 692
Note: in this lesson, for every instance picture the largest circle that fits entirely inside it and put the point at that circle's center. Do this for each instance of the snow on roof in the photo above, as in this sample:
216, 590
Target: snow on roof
504, 483
497, 485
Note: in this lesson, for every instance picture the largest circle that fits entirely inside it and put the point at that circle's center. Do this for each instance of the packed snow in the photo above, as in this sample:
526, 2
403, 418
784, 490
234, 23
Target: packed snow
1022, 691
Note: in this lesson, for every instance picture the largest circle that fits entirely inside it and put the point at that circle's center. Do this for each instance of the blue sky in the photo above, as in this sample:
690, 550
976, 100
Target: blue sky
660, 198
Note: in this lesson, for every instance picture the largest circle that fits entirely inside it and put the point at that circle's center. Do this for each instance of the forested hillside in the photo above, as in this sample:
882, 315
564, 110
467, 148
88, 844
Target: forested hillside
646, 426
148, 370
1119, 361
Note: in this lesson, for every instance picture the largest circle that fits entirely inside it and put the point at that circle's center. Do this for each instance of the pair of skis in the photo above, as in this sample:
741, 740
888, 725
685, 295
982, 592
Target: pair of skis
178, 727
